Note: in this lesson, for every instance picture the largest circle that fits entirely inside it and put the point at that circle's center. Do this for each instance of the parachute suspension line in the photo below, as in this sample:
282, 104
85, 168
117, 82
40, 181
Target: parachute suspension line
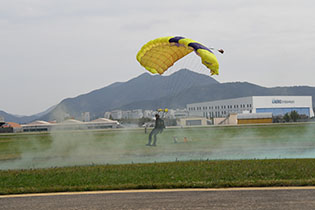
180, 65
183, 63
190, 62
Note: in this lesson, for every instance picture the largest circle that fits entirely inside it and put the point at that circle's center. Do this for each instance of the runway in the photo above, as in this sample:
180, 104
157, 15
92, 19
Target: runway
301, 198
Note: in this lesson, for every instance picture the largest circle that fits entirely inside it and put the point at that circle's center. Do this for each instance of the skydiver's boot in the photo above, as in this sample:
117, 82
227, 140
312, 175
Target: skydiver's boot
149, 143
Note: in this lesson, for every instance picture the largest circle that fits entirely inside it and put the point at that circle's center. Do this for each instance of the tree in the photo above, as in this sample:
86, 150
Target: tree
287, 117
275, 119
294, 115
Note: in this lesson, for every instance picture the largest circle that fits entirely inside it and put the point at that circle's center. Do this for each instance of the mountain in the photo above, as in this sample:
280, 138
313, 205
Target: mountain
154, 91
24, 119
144, 87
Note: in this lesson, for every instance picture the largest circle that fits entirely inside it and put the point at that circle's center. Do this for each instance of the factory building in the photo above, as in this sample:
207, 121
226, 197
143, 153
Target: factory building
37, 126
277, 105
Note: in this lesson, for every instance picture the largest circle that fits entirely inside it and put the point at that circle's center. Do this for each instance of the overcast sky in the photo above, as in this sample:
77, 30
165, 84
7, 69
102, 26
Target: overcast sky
54, 49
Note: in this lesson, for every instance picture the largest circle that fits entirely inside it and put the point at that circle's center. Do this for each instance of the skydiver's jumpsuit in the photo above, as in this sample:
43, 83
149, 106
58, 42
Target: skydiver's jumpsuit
158, 128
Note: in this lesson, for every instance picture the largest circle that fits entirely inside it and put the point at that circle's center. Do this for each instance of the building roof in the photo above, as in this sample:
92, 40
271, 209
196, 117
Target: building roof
39, 122
104, 120
71, 121
12, 124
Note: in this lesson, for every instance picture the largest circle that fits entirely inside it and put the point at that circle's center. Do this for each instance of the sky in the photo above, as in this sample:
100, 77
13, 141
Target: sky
56, 49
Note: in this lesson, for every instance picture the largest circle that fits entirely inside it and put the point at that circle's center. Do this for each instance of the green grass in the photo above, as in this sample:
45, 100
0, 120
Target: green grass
183, 174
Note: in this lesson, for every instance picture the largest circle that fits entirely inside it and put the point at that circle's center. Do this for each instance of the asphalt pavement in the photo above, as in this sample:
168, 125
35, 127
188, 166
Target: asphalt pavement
300, 198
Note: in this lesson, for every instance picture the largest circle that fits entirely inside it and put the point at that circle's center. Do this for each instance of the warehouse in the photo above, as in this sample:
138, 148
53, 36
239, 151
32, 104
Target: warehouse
277, 105
70, 124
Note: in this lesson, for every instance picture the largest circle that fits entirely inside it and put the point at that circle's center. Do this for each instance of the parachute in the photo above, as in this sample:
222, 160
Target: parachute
160, 54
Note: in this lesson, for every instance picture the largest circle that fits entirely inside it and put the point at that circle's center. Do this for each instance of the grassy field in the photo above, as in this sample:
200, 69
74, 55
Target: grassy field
186, 174
222, 156
123, 146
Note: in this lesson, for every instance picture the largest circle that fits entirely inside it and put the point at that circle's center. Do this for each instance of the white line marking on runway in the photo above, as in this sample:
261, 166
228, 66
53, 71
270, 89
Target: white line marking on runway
159, 190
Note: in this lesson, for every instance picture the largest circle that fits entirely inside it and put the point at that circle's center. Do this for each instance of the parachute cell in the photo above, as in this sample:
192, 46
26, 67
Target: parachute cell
160, 54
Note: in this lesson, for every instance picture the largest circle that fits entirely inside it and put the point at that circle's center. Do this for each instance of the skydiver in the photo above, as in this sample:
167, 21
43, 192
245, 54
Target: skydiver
158, 128
221, 51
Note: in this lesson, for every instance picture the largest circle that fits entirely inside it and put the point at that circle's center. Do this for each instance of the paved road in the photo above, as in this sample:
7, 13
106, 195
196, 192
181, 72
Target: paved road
269, 198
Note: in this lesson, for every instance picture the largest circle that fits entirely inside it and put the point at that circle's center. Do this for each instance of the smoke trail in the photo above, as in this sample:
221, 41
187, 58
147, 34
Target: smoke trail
116, 146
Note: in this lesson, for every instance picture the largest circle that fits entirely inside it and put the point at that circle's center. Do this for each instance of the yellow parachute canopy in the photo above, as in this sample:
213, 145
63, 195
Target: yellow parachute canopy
161, 53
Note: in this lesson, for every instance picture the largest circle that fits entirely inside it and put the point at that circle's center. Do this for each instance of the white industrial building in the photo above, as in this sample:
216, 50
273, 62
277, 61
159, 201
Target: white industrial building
129, 114
139, 113
136, 114
116, 114
148, 113
70, 124
277, 105
85, 116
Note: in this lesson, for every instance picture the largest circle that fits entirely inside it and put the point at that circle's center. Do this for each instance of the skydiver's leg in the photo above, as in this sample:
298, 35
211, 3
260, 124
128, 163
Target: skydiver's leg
154, 143
155, 133
150, 137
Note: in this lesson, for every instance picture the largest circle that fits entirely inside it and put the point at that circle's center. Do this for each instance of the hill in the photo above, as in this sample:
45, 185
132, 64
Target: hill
145, 87
24, 119
154, 91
